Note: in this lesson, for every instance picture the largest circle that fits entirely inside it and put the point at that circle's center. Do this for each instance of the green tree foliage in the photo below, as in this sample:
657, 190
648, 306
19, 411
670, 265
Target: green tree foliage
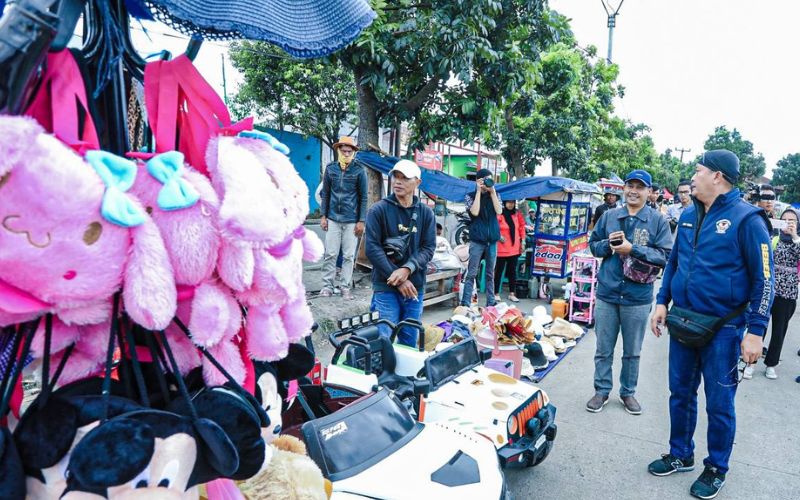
751, 164
314, 97
787, 174
668, 171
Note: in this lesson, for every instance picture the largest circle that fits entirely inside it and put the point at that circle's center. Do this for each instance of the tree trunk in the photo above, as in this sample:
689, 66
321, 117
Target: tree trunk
368, 132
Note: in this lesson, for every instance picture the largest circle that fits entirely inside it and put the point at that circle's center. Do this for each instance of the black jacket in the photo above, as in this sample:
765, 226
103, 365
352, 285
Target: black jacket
344, 193
388, 218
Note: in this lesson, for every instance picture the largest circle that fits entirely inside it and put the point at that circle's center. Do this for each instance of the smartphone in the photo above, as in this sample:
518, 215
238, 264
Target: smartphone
779, 223
615, 242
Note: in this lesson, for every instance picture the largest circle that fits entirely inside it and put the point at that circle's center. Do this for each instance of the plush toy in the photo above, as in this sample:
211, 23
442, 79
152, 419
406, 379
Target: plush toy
149, 454
290, 475
263, 205
70, 235
184, 206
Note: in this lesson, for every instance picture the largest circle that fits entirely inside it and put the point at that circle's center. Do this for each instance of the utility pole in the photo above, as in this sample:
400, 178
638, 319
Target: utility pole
683, 151
612, 22
224, 83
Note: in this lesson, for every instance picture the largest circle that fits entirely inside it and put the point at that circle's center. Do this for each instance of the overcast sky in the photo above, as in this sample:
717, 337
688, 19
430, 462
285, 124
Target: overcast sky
691, 65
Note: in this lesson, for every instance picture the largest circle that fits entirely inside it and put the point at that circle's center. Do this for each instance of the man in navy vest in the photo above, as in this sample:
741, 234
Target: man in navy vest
484, 233
721, 260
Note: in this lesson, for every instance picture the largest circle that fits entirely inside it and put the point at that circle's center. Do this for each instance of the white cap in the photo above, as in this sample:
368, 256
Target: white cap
407, 168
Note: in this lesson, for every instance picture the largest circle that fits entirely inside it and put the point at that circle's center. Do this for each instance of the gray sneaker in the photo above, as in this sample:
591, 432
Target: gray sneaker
596, 404
631, 405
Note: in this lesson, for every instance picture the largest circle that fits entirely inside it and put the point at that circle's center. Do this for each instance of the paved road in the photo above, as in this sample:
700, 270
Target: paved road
605, 455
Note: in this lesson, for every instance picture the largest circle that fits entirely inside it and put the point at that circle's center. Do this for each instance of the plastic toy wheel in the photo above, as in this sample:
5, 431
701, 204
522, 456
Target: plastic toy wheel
548, 445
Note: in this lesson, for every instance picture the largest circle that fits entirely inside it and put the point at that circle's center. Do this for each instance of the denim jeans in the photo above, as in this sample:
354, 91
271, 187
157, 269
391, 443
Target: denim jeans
609, 320
395, 308
717, 364
339, 236
477, 252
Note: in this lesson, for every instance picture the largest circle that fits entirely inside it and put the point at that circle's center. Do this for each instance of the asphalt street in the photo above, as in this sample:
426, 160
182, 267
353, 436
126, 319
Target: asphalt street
605, 455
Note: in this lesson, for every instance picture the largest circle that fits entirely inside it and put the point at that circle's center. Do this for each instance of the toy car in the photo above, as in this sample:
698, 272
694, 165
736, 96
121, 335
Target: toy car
373, 448
518, 418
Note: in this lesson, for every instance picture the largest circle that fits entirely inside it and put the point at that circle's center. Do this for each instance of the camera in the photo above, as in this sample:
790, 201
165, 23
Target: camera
753, 193
488, 182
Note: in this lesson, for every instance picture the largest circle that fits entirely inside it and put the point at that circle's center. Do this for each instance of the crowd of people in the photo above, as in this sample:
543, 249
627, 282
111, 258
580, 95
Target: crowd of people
727, 266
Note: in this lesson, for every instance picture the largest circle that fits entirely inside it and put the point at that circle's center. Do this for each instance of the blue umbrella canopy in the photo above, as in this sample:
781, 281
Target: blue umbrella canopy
303, 28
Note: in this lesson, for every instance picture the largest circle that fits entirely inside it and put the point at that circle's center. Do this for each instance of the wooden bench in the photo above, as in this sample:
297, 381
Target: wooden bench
440, 294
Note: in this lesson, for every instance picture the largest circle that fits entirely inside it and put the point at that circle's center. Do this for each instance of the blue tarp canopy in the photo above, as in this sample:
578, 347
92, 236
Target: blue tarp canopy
454, 189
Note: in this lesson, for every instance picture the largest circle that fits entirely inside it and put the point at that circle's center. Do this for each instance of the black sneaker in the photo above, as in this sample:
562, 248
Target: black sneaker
708, 484
668, 464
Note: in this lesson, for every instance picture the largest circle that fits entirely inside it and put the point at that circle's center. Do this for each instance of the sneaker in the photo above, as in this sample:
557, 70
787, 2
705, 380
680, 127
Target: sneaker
770, 373
631, 405
748, 372
596, 404
669, 464
347, 294
325, 292
512, 298
708, 484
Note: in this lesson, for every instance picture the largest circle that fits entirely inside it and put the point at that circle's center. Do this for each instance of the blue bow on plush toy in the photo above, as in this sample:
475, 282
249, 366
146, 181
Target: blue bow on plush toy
118, 174
177, 193
268, 138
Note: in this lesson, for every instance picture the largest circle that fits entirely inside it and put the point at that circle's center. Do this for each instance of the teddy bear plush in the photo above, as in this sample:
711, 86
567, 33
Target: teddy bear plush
263, 203
185, 207
290, 475
70, 235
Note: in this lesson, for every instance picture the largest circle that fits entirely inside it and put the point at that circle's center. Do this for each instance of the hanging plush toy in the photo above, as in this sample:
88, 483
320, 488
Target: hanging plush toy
263, 205
70, 235
184, 206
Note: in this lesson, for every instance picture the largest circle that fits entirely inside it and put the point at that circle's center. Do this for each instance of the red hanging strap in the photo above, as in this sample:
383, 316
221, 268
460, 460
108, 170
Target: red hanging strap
184, 111
55, 105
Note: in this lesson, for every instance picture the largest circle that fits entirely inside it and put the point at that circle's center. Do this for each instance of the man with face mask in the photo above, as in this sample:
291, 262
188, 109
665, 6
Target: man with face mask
344, 210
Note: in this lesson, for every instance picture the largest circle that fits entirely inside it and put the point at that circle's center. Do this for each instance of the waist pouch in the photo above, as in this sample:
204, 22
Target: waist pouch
638, 270
694, 329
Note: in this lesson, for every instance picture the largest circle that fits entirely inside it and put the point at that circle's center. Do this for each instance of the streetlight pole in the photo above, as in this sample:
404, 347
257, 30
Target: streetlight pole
612, 22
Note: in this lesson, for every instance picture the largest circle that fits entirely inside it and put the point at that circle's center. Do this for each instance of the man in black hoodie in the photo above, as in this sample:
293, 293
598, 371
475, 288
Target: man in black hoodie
401, 240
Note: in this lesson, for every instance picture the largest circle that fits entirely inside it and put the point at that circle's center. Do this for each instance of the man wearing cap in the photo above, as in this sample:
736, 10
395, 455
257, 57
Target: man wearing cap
344, 209
720, 266
634, 242
610, 200
484, 233
401, 240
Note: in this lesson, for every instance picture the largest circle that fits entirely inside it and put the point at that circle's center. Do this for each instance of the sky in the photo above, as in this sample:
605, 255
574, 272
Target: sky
689, 66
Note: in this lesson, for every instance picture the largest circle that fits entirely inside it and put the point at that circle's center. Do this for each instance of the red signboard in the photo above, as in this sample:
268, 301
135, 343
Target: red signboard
430, 158
548, 255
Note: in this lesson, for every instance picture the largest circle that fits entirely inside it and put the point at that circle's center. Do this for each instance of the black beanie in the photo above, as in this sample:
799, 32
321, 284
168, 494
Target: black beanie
722, 160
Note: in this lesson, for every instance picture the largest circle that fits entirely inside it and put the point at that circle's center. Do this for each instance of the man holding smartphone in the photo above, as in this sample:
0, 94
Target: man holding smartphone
634, 233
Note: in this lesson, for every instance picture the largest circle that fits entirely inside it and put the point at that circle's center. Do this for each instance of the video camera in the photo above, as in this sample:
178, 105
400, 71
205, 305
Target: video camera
752, 192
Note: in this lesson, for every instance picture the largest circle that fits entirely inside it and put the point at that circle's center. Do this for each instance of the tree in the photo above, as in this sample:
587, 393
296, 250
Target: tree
669, 171
787, 174
314, 97
751, 164
406, 61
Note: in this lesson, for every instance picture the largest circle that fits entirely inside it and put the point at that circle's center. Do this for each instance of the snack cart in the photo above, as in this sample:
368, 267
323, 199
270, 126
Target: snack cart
561, 230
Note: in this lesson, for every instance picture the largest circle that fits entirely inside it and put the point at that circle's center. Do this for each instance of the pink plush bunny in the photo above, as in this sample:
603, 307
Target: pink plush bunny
184, 206
70, 236
263, 205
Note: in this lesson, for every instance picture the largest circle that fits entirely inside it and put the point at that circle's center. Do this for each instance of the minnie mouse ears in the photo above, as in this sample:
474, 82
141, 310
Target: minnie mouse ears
296, 364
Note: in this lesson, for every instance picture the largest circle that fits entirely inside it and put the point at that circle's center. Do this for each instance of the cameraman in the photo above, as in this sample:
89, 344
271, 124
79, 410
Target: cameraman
401, 239
484, 233
766, 200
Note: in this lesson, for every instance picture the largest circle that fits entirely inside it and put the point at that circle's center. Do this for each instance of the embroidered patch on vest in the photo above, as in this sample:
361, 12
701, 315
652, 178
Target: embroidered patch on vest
723, 225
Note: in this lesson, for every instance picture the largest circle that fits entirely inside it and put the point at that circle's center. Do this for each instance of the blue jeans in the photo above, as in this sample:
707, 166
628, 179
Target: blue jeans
395, 308
609, 320
717, 363
478, 252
